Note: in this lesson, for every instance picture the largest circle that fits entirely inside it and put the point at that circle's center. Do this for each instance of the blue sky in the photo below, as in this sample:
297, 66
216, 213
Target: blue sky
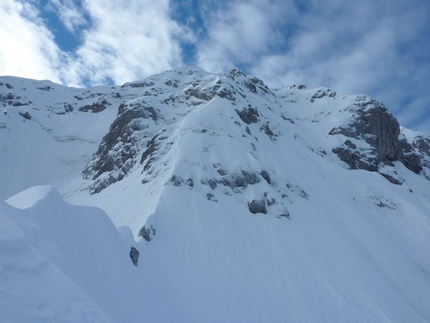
379, 48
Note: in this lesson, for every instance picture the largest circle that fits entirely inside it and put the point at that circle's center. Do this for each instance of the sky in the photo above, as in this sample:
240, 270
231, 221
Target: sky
378, 48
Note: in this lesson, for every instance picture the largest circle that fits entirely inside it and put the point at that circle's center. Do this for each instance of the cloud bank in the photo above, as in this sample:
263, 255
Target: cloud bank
377, 48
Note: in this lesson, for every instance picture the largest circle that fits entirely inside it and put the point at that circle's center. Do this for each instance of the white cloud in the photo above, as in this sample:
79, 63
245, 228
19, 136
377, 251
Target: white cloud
373, 48
240, 32
27, 46
71, 15
376, 48
126, 41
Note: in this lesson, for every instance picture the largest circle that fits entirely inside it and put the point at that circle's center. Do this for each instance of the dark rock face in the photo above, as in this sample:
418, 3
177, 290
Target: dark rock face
248, 115
138, 84
134, 255
409, 157
147, 233
320, 94
266, 176
25, 115
421, 145
357, 158
178, 181
98, 106
118, 149
151, 147
237, 181
200, 91
257, 206
253, 84
372, 123
392, 179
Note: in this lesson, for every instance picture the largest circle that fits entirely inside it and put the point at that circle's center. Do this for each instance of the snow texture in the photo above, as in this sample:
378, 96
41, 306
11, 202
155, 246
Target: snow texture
243, 204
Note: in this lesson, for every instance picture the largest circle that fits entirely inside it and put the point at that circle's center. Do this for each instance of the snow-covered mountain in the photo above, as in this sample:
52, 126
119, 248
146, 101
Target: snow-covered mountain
246, 204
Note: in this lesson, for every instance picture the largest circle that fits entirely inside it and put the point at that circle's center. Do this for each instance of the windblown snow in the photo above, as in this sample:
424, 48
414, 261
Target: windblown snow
237, 203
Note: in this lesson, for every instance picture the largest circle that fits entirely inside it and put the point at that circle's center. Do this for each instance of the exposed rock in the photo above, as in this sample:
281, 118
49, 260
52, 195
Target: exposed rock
266, 129
358, 158
266, 176
250, 177
322, 93
409, 157
178, 181
151, 147
257, 206
286, 214
118, 149
297, 190
235, 72
19, 104
211, 182
236, 181
240, 180
45, 88
68, 108
147, 233
211, 197
134, 255
421, 145
372, 123
190, 182
172, 83
199, 93
25, 115
382, 202
222, 171
390, 174
138, 84
96, 107
248, 115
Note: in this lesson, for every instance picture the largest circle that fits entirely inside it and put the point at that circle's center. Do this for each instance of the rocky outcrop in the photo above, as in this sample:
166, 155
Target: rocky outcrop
421, 145
118, 149
371, 122
257, 206
134, 255
95, 107
147, 233
248, 115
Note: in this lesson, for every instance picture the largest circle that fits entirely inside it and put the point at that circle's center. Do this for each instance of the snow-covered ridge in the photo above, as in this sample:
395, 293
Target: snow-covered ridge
245, 203
61, 262
211, 133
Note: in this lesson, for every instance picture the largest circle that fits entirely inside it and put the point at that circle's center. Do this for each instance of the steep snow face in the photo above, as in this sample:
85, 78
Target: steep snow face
213, 133
62, 263
253, 204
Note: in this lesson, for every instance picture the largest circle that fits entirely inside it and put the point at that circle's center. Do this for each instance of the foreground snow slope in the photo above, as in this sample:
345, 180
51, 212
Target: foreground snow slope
248, 204
62, 263
355, 250
338, 260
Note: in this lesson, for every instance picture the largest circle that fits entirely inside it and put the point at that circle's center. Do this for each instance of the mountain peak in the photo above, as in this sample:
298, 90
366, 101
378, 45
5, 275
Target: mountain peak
236, 202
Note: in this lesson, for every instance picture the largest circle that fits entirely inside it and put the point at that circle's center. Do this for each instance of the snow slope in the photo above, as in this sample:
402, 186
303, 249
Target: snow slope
62, 263
247, 204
